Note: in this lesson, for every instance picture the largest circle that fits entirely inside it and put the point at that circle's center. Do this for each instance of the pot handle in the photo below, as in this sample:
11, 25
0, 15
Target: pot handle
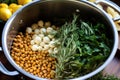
0, 49
5, 71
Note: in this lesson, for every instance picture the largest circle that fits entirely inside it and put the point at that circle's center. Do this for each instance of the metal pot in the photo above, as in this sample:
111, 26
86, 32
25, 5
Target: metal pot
49, 10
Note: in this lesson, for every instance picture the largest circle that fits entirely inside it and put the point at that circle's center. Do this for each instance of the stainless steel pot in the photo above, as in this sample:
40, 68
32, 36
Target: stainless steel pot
50, 10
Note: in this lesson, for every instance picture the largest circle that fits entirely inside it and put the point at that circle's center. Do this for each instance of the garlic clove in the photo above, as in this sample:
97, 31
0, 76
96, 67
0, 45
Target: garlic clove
29, 30
46, 39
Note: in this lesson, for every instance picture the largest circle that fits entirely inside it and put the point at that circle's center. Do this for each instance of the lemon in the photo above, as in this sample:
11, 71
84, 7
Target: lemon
3, 5
11, 6
14, 7
5, 14
23, 2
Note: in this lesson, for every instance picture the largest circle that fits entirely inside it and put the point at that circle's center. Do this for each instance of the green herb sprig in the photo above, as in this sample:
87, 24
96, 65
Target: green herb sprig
83, 48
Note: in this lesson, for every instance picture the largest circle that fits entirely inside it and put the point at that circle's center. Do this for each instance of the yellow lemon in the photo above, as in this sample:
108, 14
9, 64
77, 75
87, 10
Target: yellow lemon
3, 5
10, 9
14, 7
11, 6
23, 2
5, 14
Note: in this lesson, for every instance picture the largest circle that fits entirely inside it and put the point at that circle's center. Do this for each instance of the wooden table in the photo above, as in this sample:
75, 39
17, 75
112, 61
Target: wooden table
113, 68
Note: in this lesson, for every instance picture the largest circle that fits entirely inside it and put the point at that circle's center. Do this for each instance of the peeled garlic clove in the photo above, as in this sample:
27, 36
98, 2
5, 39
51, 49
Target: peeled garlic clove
40, 48
42, 44
46, 47
40, 23
34, 26
50, 51
52, 44
37, 31
37, 39
51, 36
41, 35
49, 30
35, 47
42, 30
55, 50
32, 42
29, 30
35, 35
46, 39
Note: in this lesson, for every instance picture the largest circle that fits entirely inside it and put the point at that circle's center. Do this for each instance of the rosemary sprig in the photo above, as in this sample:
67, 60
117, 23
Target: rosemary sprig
68, 46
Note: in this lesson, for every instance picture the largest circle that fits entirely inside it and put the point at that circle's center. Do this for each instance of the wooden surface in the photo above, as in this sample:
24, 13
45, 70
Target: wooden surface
113, 68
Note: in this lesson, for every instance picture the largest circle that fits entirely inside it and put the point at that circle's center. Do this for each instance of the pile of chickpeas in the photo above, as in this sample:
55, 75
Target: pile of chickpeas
36, 62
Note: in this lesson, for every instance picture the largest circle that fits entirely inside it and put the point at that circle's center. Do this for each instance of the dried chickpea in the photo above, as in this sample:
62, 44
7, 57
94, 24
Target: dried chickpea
31, 70
45, 74
44, 71
48, 69
53, 67
21, 65
49, 65
37, 70
42, 76
42, 68
49, 76
26, 65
